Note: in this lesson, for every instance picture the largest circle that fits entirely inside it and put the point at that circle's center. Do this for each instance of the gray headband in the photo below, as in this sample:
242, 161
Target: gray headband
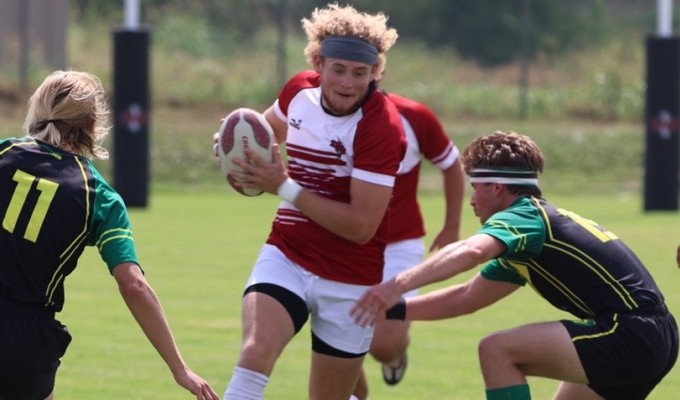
349, 48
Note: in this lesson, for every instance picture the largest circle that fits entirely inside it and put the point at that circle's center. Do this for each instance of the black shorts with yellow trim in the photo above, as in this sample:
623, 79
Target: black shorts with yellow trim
625, 355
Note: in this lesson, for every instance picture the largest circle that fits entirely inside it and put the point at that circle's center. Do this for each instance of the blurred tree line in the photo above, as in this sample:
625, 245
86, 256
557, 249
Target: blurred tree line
489, 32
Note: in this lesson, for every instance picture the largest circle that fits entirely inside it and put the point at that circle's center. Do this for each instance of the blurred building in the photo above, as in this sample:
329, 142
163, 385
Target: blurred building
32, 35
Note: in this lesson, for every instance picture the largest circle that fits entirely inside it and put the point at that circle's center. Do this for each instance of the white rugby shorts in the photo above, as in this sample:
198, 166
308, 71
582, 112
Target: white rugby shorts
402, 255
329, 302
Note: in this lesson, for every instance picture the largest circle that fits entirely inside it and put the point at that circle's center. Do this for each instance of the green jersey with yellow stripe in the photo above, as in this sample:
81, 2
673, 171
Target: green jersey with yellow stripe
53, 204
574, 263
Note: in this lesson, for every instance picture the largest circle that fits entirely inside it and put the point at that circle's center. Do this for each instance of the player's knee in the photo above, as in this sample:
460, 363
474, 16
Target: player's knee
489, 349
390, 342
257, 356
387, 351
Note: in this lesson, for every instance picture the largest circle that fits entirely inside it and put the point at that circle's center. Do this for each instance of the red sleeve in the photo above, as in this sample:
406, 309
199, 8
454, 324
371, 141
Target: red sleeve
432, 137
302, 80
380, 143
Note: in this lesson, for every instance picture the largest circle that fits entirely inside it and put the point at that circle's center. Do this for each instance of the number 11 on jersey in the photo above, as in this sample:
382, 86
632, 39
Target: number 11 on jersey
47, 191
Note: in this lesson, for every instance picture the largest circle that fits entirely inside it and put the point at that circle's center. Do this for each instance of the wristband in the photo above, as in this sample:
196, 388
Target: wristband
397, 311
289, 190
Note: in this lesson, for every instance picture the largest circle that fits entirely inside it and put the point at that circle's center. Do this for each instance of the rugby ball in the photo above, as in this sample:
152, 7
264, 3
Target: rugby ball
243, 128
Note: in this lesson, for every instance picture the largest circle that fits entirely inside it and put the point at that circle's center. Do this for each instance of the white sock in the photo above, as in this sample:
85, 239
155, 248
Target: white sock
246, 385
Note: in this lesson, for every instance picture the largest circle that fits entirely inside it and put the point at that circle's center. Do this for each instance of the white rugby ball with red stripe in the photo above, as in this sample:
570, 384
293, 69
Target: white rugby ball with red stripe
243, 128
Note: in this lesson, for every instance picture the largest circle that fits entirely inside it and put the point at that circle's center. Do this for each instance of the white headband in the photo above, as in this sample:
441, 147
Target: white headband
506, 177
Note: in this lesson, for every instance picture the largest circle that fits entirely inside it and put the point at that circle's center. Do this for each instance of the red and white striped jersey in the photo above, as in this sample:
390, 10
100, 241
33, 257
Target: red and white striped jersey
324, 153
426, 139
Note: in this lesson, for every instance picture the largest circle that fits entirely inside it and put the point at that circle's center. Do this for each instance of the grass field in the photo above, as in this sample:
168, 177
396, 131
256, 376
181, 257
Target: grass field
197, 249
198, 239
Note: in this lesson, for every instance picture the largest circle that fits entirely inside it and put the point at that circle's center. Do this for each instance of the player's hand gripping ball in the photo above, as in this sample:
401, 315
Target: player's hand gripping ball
243, 128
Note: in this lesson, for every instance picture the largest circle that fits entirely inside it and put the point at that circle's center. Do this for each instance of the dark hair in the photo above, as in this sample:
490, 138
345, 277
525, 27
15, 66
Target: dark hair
525, 190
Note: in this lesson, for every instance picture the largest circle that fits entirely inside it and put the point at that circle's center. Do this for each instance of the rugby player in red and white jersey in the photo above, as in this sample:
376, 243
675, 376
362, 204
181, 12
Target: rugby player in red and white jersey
344, 143
427, 140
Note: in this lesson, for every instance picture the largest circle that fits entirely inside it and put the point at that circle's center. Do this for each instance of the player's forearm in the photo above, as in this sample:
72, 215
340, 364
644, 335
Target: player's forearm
447, 262
147, 311
335, 216
357, 221
440, 304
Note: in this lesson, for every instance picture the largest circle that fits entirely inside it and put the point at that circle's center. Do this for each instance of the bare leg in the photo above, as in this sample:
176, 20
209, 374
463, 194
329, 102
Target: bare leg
361, 389
333, 378
576, 391
390, 340
267, 328
543, 349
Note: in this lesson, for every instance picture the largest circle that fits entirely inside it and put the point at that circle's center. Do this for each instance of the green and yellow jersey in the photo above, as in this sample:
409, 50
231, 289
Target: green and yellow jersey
53, 204
574, 263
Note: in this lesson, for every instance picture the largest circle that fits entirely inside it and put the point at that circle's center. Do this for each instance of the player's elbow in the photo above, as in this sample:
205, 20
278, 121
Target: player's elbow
476, 252
360, 237
363, 232
363, 240
132, 288
476, 255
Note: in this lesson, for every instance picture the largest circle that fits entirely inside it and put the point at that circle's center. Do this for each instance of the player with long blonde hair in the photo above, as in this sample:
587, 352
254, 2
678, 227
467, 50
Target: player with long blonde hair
54, 203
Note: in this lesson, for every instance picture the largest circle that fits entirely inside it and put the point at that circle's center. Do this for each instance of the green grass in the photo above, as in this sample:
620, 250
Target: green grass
585, 113
197, 249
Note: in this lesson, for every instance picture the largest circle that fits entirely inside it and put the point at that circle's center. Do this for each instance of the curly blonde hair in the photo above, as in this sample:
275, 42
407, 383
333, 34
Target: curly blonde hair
69, 110
336, 20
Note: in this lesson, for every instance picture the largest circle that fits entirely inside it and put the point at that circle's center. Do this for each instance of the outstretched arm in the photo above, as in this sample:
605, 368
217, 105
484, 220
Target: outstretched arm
147, 310
448, 262
457, 300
